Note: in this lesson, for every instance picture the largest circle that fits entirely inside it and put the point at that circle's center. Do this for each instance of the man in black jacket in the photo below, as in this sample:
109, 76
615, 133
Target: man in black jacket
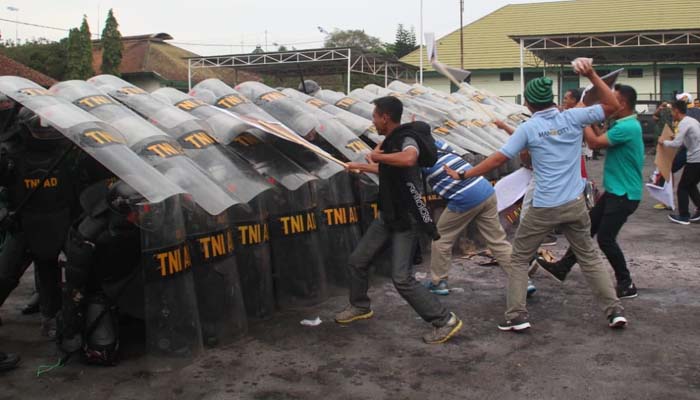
402, 214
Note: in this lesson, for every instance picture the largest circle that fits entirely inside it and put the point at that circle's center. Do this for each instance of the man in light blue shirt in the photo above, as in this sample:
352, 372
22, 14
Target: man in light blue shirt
554, 139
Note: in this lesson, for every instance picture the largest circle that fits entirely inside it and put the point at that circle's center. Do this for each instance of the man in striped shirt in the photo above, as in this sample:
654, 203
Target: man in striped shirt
471, 199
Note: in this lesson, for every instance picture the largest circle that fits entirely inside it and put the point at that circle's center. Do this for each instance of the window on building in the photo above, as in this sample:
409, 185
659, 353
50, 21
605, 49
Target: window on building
506, 76
635, 73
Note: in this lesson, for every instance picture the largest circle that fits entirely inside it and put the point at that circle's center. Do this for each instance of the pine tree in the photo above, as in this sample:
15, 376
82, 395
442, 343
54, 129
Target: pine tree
112, 46
405, 41
86, 50
75, 54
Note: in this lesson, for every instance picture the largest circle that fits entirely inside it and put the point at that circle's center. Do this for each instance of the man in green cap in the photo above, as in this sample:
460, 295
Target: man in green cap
554, 139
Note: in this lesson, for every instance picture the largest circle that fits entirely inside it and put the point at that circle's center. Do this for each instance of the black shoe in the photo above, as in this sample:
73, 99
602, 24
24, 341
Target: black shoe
553, 269
550, 240
8, 361
627, 292
516, 324
695, 217
617, 320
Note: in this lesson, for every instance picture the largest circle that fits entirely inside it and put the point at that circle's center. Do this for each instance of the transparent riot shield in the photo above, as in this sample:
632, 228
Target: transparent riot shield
443, 125
211, 241
297, 258
150, 143
232, 174
339, 225
214, 91
361, 127
97, 138
173, 330
259, 148
325, 131
253, 256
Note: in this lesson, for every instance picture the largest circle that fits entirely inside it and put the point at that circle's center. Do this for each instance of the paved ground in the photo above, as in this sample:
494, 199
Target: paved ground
570, 353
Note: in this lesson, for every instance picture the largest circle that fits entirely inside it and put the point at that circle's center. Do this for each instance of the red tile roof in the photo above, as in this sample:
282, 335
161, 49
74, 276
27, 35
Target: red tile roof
150, 53
9, 66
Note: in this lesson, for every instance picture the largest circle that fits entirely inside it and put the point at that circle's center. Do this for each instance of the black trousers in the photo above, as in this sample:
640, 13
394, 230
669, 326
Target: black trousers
688, 188
607, 218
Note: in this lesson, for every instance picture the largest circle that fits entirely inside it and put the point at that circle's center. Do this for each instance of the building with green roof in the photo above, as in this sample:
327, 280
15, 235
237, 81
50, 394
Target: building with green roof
658, 44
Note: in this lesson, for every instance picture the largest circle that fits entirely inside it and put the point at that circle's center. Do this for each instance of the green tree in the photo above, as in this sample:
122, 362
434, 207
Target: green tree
282, 48
86, 50
41, 54
258, 50
112, 46
405, 41
74, 63
355, 38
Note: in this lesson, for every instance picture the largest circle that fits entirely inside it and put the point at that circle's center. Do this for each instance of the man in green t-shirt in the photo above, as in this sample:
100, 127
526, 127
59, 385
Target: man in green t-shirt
623, 182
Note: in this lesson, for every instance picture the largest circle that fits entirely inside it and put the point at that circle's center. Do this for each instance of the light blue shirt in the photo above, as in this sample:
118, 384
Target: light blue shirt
554, 141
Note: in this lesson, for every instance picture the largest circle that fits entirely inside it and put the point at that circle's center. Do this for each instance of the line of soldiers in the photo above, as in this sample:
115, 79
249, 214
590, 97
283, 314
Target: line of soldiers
61, 200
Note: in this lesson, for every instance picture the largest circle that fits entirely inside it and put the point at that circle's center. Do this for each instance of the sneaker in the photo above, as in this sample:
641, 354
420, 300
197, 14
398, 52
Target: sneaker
695, 217
352, 313
8, 361
444, 333
439, 289
617, 320
550, 240
552, 269
661, 206
679, 219
628, 292
531, 289
516, 324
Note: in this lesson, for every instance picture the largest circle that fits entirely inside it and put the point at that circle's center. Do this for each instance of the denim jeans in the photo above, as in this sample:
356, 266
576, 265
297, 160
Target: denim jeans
418, 296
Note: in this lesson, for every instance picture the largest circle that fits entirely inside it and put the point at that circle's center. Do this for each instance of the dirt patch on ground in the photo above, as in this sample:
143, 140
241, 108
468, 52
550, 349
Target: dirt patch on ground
569, 353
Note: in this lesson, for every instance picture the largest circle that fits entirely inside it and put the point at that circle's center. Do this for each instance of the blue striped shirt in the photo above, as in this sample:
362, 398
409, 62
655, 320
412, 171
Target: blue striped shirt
461, 195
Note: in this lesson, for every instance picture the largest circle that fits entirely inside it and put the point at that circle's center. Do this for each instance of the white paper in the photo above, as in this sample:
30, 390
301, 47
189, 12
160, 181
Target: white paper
662, 194
311, 322
512, 187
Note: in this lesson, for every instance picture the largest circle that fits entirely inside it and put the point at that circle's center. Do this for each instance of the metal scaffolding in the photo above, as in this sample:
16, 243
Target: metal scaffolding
612, 48
315, 61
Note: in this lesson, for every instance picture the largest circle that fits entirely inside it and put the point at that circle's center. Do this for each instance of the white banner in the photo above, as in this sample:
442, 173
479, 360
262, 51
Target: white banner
512, 187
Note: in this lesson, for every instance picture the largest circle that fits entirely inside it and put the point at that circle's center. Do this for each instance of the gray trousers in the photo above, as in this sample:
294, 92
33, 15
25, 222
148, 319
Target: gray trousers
418, 296
574, 221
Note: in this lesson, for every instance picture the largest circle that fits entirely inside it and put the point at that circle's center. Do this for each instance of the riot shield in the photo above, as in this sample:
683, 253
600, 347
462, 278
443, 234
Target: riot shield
363, 128
298, 267
339, 225
251, 144
151, 144
97, 138
253, 256
172, 319
214, 91
443, 125
326, 131
211, 242
230, 172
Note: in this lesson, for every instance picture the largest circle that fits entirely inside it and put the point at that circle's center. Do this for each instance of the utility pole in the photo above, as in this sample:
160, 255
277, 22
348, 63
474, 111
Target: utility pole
461, 34
420, 73
266, 40
16, 11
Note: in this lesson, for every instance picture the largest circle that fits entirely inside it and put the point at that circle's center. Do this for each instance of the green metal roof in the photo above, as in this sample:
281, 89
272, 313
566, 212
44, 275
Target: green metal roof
487, 42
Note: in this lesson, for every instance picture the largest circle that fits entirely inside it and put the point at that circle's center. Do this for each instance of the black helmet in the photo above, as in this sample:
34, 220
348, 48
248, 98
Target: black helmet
37, 127
309, 87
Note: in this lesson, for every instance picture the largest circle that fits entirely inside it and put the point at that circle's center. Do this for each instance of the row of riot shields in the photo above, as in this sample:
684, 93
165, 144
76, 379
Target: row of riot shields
243, 210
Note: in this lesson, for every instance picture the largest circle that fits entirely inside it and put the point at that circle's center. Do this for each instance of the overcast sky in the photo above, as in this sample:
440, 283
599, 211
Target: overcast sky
232, 22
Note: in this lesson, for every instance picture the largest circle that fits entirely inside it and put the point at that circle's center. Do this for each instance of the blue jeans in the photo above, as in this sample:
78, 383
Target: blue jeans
425, 303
